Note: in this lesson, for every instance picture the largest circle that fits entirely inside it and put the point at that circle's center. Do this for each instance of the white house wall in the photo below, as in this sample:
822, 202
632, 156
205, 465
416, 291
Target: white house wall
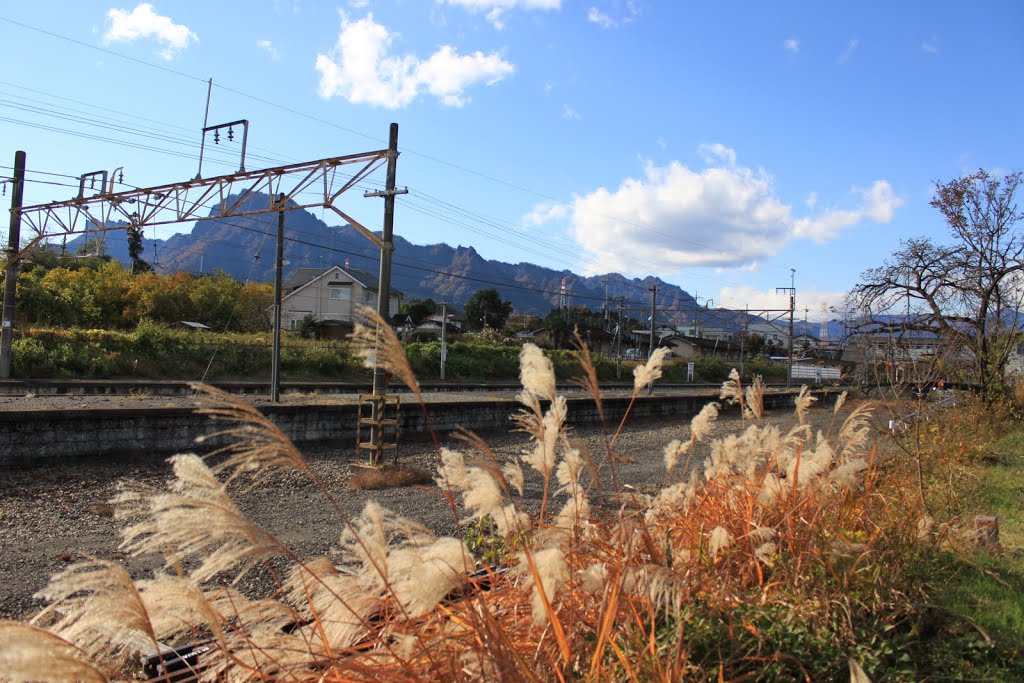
315, 299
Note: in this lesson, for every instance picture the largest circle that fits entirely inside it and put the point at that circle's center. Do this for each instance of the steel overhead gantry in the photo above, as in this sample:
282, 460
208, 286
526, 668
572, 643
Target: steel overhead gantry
192, 200
211, 199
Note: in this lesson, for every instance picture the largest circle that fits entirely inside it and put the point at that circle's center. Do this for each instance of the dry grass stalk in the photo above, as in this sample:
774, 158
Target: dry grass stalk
95, 604
197, 518
398, 603
589, 380
378, 346
650, 372
257, 446
33, 654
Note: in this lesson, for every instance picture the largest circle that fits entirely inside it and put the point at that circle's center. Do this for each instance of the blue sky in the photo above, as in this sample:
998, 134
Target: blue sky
716, 145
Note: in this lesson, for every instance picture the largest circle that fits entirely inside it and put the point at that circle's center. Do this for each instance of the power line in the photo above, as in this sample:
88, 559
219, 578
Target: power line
331, 124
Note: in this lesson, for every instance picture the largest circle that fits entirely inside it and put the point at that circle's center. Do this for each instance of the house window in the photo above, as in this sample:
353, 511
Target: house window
369, 297
341, 293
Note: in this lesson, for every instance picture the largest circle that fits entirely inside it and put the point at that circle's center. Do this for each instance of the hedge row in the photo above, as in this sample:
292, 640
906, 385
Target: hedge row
154, 351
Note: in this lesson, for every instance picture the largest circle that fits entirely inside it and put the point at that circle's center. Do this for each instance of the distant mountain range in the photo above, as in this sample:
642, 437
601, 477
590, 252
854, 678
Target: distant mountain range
244, 247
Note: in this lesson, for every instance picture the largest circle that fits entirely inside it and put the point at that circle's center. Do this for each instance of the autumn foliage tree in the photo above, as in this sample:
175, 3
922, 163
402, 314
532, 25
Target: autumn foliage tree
967, 291
106, 295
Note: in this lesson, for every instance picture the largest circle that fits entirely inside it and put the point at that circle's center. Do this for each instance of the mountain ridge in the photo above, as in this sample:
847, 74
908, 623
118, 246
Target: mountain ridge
244, 247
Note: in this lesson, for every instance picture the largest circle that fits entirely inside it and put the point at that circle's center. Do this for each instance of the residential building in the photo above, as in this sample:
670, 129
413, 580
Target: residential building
331, 297
689, 348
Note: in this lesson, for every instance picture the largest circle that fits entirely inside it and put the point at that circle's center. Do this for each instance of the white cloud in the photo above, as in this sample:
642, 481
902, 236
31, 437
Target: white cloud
596, 16
791, 45
269, 48
361, 70
144, 22
812, 200
811, 298
851, 47
494, 10
930, 46
546, 213
717, 152
570, 113
878, 203
358, 4
724, 216
626, 15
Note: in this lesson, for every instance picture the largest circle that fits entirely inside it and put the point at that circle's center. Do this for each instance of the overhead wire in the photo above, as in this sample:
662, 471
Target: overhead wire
399, 263
332, 124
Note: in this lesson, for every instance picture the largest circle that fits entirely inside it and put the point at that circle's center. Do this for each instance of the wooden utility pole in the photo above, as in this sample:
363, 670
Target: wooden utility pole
654, 298
275, 370
11, 272
387, 246
618, 341
791, 290
444, 336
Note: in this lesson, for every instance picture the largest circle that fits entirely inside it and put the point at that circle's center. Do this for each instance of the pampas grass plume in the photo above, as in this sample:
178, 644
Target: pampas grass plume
196, 519
718, 540
98, 605
803, 404
703, 424
649, 372
536, 373
376, 342
29, 654
552, 571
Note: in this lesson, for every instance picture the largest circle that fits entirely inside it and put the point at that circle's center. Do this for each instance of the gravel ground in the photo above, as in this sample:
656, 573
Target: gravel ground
49, 515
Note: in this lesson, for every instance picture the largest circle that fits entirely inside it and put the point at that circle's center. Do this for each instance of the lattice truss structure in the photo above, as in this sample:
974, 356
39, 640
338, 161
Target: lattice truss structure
193, 200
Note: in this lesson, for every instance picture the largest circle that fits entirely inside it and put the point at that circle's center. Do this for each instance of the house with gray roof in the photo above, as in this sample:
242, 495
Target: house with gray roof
331, 296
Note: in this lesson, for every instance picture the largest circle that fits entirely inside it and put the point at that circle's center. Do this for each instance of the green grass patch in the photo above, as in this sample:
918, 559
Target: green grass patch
979, 599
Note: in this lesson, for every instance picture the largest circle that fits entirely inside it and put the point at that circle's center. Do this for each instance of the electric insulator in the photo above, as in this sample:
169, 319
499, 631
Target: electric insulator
216, 137
121, 178
231, 134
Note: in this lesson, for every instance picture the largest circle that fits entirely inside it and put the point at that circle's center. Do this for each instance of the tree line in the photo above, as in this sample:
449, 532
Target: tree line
97, 292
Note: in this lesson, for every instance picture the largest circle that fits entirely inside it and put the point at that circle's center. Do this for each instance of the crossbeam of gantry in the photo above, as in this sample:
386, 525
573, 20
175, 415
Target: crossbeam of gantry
303, 185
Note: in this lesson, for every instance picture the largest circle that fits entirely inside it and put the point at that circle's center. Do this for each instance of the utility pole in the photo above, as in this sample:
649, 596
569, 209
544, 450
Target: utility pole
654, 299
618, 342
387, 246
275, 368
695, 334
743, 339
791, 290
444, 336
11, 272
606, 304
